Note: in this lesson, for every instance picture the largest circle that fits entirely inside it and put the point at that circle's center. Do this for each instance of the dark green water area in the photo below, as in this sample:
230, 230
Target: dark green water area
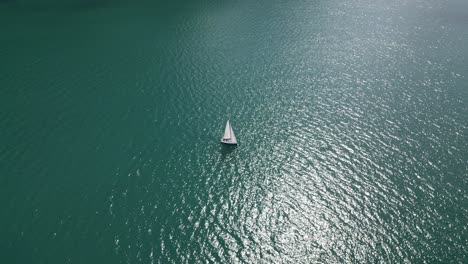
351, 117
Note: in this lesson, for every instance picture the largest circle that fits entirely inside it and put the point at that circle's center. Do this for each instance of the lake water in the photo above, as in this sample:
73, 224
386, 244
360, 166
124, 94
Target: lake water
351, 117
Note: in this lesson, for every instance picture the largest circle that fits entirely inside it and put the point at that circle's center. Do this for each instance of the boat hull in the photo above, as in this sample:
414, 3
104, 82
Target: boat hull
228, 142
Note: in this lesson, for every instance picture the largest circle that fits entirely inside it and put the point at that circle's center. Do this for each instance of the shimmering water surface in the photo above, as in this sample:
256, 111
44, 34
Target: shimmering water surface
352, 119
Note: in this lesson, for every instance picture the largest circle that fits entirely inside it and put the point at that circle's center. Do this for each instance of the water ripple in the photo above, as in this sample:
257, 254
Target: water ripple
350, 117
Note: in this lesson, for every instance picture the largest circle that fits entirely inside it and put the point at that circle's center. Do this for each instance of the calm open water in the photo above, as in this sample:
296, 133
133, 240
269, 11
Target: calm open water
352, 118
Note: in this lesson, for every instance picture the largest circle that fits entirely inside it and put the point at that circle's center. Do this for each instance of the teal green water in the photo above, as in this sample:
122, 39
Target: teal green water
352, 118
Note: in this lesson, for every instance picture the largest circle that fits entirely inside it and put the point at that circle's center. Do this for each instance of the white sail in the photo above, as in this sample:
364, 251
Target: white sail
227, 131
228, 137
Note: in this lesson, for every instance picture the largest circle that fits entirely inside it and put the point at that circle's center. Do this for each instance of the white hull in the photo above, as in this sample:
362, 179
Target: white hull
228, 142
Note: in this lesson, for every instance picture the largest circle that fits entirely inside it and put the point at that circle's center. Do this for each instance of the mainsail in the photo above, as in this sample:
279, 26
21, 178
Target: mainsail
227, 131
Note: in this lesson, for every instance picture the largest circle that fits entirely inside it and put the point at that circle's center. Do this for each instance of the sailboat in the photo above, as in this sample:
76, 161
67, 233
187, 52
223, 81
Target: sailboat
229, 137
